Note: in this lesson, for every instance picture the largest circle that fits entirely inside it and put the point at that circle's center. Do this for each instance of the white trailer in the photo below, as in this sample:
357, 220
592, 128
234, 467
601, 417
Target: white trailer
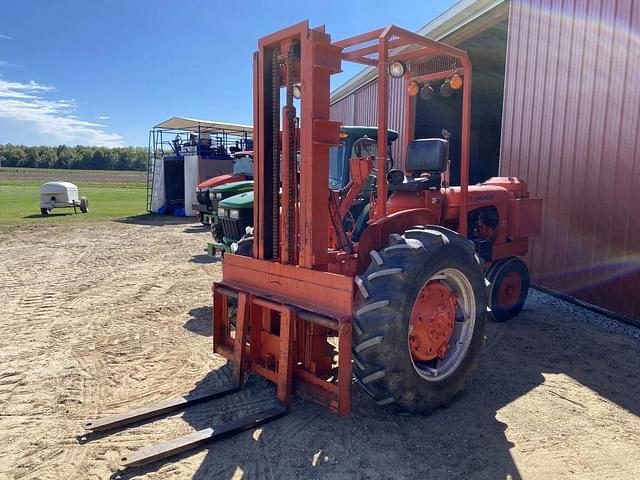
61, 195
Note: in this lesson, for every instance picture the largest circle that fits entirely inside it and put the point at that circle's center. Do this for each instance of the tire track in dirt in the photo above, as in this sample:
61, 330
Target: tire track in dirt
103, 319
74, 294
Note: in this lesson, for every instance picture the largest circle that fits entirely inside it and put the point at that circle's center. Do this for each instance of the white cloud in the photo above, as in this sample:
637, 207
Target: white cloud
25, 102
4, 63
4, 37
102, 117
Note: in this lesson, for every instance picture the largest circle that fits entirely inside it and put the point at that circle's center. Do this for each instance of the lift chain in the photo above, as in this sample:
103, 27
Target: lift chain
291, 161
275, 153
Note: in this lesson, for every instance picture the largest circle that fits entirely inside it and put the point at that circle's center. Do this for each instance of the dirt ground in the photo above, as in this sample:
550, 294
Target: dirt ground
99, 319
39, 175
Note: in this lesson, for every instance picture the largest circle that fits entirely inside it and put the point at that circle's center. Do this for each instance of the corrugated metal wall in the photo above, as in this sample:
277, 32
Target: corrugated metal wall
361, 108
571, 128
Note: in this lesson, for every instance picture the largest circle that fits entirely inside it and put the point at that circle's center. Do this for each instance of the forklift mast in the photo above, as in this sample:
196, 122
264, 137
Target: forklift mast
305, 58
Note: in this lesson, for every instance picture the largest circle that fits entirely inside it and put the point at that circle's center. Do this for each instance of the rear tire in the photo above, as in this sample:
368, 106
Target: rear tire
384, 362
509, 288
44, 211
84, 205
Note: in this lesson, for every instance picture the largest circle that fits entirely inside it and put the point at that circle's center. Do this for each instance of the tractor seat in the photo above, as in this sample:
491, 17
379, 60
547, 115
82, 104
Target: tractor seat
427, 155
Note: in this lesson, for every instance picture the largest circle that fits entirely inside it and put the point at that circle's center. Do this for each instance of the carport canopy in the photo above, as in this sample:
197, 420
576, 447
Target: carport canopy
203, 126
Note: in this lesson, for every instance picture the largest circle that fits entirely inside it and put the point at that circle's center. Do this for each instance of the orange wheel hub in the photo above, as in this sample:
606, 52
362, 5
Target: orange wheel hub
509, 290
432, 321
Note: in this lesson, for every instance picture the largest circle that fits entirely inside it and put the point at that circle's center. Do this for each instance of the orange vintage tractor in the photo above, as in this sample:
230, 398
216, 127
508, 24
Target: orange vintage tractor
408, 300
403, 303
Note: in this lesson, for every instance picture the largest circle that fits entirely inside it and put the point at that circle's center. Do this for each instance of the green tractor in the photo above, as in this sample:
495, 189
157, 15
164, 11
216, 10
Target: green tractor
235, 213
207, 192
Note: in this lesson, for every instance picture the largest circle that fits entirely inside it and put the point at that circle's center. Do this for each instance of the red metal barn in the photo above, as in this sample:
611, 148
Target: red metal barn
555, 101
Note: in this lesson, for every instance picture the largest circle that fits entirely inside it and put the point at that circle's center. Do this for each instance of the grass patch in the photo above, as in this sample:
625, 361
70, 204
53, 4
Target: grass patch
108, 200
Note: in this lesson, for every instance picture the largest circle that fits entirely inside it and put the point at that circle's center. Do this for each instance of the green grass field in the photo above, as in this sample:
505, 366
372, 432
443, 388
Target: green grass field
111, 195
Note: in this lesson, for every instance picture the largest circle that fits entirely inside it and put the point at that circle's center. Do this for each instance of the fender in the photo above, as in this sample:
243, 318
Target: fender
376, 235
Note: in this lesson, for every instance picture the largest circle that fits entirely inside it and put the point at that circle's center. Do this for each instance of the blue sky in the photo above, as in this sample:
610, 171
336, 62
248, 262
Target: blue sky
104, 72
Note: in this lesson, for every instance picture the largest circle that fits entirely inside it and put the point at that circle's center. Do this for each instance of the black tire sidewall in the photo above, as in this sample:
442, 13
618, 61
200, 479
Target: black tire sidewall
401, 379
398, 334
496, 278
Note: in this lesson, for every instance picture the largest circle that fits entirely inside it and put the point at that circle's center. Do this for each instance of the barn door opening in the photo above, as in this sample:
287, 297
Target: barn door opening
485, 40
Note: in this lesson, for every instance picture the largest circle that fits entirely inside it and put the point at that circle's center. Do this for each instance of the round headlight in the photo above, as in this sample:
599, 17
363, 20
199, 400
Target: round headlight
297, 91
426, 92
219, 195
445, 89
234, 213
221, 212
397, 69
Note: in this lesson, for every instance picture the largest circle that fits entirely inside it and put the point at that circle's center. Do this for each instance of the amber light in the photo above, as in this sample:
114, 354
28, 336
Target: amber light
413, 88
343, 135
455, 82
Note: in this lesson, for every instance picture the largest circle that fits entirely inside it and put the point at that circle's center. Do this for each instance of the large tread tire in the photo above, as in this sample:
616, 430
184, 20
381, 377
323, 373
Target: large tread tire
387, 291
496, 275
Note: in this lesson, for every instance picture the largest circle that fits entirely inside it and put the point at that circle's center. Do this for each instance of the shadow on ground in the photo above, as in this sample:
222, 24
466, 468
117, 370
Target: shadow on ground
39, 215
200, 321
199, 228
462, 441
155, 220
204, 258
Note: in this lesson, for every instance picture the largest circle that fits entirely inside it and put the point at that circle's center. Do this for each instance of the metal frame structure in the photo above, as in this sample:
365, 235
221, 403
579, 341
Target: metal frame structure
162, 135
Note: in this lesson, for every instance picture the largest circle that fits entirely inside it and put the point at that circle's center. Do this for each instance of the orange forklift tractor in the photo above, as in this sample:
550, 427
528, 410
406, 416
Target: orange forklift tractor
408, 300
402, 305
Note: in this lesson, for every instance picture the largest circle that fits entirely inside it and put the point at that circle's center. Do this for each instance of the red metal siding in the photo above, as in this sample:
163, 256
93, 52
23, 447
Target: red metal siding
360, 108
342, 110
365, 108
570, 128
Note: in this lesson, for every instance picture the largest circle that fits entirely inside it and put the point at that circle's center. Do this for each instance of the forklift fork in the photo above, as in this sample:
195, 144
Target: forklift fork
216, 431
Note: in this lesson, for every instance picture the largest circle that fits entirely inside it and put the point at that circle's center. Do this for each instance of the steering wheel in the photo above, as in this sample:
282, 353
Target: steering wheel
365, 147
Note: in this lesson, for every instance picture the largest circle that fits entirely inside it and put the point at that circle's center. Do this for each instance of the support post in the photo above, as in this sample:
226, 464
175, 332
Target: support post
240, 347
466, 138
383, 92
344, 368
285, 362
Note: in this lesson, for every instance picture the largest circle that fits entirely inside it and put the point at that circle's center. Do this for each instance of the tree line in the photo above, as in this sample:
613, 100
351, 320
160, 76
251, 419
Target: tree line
79, 157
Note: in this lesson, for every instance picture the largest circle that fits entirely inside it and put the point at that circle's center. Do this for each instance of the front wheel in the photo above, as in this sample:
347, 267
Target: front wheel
418, 322
84, 205
509, 288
